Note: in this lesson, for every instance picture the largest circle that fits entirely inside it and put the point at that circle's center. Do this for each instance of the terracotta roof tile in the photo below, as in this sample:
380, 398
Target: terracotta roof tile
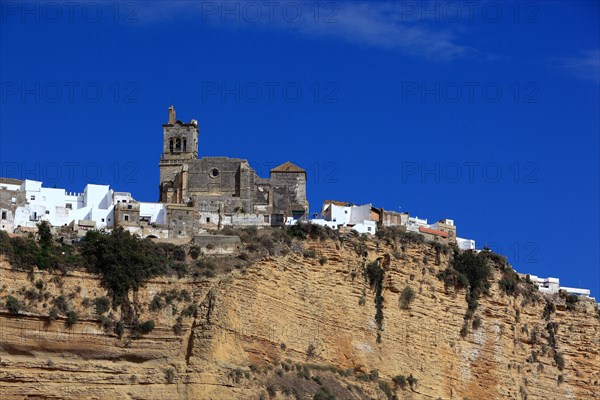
288, 167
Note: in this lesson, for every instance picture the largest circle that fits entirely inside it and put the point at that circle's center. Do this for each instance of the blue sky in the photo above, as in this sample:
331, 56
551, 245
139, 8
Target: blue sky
486, 113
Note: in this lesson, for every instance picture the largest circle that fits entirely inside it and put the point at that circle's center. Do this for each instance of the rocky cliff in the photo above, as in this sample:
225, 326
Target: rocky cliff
300, 325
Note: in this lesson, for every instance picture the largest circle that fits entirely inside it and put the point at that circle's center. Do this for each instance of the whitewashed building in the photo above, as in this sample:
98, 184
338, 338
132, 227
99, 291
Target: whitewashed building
465, 244
414, 223
335, 214
92, 207
552, 285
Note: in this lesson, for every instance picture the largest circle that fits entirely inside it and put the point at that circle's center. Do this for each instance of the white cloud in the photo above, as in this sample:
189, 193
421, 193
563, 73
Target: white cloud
384, 25
585, 66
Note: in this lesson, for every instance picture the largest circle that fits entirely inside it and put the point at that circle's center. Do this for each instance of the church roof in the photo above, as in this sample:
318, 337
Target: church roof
288, 167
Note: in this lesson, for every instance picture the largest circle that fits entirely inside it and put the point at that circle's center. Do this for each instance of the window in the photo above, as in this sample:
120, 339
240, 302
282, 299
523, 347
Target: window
214, 173
184, 144
129, 206
69, 206
32, 197
126, 217
3, 214
266, 219
178, 144
171, 145
47, 212
369, 228
102, 219
13, 200
208, 220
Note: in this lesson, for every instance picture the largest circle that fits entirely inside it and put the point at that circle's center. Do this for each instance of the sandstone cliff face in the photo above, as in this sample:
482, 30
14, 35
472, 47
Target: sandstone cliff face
290, 311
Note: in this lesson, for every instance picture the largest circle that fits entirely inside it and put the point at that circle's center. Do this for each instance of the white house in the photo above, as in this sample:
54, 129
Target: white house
365, 226
59, 207
414, 223
336, 214
465, 244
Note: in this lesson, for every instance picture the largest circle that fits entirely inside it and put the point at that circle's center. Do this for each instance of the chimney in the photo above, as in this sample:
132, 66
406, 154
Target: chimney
172, 117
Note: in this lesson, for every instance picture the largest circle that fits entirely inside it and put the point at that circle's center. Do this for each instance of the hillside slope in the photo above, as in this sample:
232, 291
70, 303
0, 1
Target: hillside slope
300, 325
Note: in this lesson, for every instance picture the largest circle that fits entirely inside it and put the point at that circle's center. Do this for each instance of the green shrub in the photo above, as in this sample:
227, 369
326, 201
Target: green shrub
385, 388
549, 308
194, 252
474, 267
323, 394
102, 304
72, 318
509, 283
156, 303
119, 329
189, 311
323, 260
412, 381
52, 314
13, 305
309, 254
178, 327
560, 361
374, 273
311, 351
400, 381
571, 301
45, 234
373, 375
304, 230
407, 295
61, 304
40, 285
453, 278
170, 375
145, 327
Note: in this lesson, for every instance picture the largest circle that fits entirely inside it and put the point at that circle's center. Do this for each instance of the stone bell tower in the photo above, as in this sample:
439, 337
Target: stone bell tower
180, 145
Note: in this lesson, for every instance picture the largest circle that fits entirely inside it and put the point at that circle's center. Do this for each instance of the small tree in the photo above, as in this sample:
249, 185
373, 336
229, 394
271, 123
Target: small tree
45, 234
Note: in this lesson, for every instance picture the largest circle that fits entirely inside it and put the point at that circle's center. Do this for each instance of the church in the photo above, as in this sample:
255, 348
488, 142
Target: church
218, 191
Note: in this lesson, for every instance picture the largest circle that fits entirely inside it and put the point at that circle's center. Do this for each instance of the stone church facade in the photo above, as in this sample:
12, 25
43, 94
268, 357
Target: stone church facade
218, 191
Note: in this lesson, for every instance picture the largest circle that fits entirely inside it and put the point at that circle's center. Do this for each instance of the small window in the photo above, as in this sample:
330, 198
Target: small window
369, 228
32, 197
13, 200
47, 212
129, 206
3, 214
214, 173
102, 219
266, 219
126, 217
207, 220
69, 206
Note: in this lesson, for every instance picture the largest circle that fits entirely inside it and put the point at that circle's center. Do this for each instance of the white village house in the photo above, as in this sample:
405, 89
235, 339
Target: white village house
26, 204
